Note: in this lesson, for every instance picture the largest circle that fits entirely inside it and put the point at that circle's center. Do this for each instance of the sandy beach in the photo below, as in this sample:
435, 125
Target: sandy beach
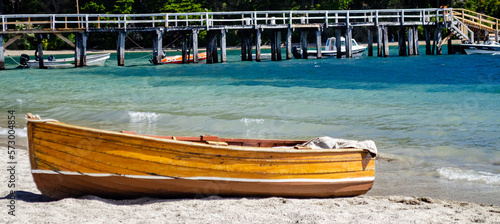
32, 207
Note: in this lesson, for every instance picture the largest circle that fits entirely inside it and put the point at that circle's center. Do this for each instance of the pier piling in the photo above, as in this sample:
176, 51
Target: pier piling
157, 46
410, 41
185, 56
212, 47
40, 51
194, 34
276, 45
258, 42
223, 56
120, 49
370, 41
2, 56
379, 41
289, 43
386, 41
318, 43
348, 42
303, 43
402, 41
439, 50
415, 40
246, 45
427, 34
338, 43
81, 49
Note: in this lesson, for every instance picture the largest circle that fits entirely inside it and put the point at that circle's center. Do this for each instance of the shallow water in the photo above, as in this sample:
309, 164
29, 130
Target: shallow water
436, 116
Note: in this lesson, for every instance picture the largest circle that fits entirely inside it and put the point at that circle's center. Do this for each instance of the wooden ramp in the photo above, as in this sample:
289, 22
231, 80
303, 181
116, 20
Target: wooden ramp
476, 24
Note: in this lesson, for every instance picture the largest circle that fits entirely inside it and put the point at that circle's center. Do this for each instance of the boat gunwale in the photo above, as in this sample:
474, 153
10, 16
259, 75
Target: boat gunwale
199, 144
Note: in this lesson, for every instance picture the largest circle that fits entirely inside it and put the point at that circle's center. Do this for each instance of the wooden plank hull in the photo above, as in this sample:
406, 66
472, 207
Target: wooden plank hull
71, 161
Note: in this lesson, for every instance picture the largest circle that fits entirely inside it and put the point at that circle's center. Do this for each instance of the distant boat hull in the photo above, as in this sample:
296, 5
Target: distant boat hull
178, 58
72, 161
481, 48
355, 50
92, 60
331, 49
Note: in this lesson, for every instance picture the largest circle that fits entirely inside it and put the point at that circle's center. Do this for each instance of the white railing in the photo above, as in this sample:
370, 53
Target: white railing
219, 20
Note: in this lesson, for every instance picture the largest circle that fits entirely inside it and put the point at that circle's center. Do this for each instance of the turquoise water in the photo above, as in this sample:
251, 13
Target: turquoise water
438, 117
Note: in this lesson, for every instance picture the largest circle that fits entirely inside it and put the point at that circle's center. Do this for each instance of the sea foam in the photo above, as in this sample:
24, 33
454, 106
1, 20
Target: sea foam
141, 117
19, 132
454, 173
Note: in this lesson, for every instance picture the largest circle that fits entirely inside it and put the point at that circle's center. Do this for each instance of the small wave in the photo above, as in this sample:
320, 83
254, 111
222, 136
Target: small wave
140, 117
19, 132
248, 121
454, 173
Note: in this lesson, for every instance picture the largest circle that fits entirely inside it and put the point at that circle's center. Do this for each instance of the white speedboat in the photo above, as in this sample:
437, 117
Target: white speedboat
488, 47
51, 62
331, 48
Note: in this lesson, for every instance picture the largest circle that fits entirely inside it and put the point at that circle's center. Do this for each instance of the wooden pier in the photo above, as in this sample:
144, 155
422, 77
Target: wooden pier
250, 26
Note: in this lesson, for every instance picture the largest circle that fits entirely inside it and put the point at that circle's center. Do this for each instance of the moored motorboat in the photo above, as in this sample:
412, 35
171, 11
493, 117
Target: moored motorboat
177, 59
72, 161
331, 48
488, 47
52, 62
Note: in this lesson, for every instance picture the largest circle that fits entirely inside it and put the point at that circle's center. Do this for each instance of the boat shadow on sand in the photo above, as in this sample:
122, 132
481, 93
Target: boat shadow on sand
27, 197
31, 197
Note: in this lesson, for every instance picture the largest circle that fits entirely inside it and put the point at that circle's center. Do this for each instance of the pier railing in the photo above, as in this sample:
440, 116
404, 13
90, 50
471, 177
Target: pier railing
477, 20
57, 23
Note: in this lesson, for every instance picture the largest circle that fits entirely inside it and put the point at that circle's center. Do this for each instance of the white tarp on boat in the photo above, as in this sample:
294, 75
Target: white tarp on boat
336, 143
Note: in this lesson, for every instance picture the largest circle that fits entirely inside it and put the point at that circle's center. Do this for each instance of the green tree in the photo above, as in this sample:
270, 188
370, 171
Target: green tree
93, 7
123, 7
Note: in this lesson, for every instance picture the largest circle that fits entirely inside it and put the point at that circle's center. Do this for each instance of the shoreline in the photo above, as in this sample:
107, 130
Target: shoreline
31, 206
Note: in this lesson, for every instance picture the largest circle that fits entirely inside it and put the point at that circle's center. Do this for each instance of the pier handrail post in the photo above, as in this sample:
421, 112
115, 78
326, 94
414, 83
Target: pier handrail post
290, 18
326, 19
402, 17
87, 22
376, 17
3, 23
125, 22
206, 17
166, 20
53, 22
254, 18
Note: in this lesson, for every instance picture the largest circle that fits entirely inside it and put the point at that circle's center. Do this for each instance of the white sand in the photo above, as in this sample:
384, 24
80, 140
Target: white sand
31, 207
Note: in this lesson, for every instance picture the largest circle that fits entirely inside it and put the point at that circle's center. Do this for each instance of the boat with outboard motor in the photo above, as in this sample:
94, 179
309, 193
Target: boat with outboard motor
487, 47
52, 62
331, 48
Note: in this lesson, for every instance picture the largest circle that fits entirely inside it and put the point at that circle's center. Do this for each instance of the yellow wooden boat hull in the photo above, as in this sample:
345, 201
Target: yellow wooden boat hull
72, 161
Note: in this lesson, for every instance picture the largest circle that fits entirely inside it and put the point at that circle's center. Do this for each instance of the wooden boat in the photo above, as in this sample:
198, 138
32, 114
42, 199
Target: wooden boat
92, 60
72, 161
178, 58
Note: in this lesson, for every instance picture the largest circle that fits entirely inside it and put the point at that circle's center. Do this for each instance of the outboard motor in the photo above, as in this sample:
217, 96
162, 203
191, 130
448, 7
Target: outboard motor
24, 60
295, 52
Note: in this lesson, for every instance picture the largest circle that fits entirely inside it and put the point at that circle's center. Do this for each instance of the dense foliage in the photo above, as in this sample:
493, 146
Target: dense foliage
490, 7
